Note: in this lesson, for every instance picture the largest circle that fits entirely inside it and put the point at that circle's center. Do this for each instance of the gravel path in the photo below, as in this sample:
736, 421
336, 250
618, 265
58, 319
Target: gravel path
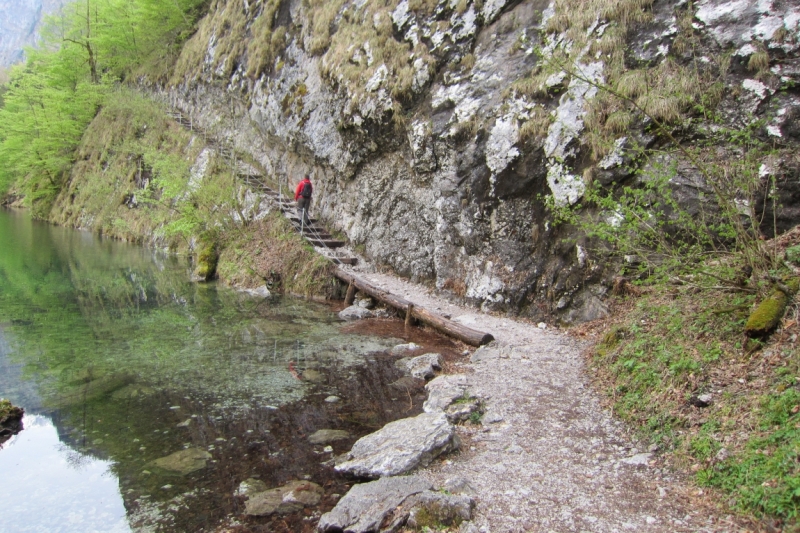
548, 456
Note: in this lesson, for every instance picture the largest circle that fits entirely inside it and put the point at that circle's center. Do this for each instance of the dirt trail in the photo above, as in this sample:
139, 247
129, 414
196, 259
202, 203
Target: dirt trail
548, 456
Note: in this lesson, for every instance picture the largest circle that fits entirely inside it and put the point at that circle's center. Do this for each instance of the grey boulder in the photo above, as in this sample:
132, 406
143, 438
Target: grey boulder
401, 446
422, 366
364, 508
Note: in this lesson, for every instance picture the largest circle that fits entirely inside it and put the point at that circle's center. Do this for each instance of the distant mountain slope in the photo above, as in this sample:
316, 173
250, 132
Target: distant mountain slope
19, 26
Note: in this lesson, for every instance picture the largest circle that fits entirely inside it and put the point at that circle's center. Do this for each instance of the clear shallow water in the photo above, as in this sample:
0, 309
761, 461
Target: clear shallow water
119, 361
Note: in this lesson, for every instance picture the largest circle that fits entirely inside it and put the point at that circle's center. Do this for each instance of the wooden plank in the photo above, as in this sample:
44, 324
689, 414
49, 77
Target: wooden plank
459, 331
325, 243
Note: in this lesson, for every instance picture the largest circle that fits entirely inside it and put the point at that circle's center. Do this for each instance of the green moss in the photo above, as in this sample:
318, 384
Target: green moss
7, 409
208, 256
766, 317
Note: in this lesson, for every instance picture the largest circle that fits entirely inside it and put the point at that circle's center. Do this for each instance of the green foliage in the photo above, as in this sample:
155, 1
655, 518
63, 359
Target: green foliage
765, 478
52, 98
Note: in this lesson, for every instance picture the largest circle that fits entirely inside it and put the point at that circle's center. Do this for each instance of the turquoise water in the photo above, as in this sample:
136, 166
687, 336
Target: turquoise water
119, 360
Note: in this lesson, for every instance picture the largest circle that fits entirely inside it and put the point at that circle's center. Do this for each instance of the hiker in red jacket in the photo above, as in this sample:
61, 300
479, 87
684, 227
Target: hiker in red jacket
302, 195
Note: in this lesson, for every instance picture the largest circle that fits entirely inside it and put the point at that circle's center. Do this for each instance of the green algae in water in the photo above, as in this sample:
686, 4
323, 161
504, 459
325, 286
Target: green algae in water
133, 363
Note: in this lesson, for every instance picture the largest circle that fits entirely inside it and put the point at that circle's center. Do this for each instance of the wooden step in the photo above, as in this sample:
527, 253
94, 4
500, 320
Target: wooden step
344, 260
325, 243
296, 220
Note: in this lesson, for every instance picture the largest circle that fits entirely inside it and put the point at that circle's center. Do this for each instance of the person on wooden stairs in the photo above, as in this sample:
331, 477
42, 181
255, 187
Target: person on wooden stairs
302, 195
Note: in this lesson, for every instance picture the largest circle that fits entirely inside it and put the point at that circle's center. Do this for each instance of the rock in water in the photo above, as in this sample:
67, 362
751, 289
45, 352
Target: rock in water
365, 506
184, 462
355, 312
324, 436
286, 499
401, 446
250, 486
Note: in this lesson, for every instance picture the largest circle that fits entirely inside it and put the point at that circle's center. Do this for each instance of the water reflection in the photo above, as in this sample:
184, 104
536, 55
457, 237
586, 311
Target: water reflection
133, 364
52, 488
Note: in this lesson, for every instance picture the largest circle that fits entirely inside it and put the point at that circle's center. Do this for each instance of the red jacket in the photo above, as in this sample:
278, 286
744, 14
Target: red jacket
300, 188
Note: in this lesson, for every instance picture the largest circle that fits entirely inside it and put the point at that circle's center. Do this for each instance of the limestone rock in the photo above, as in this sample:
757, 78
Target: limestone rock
421, 367
324, 436
443, 390
401, 446
184, 461
286, 499
365, 506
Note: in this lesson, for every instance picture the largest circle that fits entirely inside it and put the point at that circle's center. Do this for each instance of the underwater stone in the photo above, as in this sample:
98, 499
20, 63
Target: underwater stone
184, 462
324, 436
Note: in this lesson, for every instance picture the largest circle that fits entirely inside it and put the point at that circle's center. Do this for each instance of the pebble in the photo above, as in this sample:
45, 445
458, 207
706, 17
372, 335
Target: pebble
332, 399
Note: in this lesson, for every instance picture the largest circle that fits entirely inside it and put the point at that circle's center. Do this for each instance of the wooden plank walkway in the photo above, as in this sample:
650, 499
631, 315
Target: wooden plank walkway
319, 237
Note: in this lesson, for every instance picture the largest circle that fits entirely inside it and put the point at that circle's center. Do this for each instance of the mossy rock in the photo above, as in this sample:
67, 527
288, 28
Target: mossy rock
768, 314
9, 412
208, 257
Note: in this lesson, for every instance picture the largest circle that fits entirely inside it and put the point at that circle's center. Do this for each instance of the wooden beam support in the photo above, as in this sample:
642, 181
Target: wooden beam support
351, 294
448, 327
409, 315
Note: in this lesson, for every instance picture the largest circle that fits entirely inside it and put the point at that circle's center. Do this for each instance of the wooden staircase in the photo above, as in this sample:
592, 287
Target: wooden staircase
317, 235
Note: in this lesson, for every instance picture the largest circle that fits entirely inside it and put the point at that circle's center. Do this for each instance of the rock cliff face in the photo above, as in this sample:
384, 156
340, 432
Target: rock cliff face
440, 133
19, 26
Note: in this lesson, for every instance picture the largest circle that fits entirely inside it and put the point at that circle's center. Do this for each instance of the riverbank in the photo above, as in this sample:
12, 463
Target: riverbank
548, 455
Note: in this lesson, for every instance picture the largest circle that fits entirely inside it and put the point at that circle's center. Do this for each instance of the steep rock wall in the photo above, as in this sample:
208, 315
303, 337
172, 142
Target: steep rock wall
436, 131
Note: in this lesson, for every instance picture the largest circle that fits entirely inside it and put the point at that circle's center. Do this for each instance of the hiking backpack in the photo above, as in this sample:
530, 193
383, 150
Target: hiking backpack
306, 192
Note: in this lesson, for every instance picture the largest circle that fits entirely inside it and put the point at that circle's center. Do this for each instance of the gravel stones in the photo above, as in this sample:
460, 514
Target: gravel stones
282, 500
401, 446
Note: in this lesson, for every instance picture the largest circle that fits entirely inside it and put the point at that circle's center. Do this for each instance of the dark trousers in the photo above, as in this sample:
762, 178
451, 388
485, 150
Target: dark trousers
303, 205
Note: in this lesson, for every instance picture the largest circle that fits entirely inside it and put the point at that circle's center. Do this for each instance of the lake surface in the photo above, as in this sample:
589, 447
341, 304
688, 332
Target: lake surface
119, 361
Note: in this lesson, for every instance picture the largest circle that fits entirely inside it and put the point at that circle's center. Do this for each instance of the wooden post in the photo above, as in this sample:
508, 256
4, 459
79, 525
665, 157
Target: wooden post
351, 294
409, 318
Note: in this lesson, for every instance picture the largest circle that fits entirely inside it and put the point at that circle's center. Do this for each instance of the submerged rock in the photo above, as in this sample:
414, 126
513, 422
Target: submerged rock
355, 312
401, 446
324, 436
250, 486
184, 461
402, 349
364, 508
289, 498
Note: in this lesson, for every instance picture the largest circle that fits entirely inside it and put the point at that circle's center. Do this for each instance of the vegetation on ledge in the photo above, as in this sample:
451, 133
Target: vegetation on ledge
270, 252
676, 365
